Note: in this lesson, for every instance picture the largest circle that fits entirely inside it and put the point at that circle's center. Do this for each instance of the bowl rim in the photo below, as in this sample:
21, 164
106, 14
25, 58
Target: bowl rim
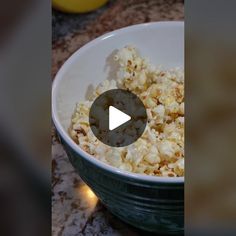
65, 135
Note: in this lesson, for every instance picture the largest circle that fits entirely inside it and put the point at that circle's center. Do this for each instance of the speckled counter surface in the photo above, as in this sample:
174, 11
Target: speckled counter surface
75, 209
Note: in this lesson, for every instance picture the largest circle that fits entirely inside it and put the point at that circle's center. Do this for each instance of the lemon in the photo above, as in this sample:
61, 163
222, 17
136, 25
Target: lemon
77, 6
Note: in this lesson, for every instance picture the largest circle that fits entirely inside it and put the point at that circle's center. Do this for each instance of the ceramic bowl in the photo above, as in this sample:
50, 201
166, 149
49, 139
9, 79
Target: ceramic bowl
151, 203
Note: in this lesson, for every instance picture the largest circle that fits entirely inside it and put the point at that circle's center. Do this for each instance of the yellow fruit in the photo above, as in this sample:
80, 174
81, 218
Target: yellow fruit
77, 6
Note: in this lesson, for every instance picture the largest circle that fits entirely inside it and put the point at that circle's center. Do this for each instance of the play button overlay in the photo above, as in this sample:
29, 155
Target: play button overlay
117, 117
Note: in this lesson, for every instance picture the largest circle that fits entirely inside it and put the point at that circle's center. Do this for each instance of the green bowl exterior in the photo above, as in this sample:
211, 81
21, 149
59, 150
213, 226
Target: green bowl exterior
150, 206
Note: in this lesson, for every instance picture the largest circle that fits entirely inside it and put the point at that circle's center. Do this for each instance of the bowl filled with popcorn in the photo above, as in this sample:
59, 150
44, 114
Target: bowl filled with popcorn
142, 183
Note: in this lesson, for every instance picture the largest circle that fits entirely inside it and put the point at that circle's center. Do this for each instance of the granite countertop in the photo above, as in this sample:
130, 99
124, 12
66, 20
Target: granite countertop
75, 209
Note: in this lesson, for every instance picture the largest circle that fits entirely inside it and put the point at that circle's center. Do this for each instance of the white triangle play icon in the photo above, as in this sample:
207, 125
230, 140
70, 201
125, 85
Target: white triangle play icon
117, 118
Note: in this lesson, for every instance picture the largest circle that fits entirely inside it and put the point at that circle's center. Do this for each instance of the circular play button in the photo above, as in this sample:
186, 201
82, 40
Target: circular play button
117, 117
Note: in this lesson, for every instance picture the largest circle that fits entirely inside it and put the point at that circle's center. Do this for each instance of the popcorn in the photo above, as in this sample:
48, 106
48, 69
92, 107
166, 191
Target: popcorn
160, 150
167, 149
113, 157
181, 108
172, 107
153, 156
104, 86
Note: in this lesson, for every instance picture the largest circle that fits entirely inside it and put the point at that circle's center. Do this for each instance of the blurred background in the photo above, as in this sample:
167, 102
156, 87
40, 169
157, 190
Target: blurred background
210, 132
25, 123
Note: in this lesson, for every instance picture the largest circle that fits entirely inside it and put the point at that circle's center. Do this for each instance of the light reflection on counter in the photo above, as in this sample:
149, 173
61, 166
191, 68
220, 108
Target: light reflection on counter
88, 196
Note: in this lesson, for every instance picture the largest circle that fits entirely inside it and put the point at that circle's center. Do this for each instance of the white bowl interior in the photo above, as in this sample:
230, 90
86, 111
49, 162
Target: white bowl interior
161, 42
